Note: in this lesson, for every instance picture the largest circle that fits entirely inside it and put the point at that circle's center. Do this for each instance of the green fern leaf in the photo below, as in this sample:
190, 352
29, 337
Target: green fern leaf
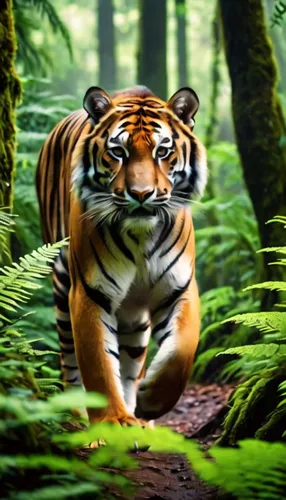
255, 470
257, 350
266, 322
280, 286
17, 280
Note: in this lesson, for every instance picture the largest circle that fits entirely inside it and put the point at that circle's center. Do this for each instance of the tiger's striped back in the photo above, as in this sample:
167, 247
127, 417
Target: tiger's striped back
54, 174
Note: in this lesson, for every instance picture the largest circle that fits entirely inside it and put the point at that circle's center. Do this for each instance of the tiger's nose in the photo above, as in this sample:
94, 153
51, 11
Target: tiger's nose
140, 195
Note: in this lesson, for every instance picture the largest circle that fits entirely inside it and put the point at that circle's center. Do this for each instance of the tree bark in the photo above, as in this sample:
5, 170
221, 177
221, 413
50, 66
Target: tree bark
258, 119
10, 91
152, 53
106, 49
181, 42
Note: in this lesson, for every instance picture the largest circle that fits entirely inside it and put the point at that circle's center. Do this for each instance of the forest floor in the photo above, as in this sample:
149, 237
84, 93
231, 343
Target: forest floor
198, 415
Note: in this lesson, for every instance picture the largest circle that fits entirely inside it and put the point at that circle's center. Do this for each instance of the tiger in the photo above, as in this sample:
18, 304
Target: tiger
118, 178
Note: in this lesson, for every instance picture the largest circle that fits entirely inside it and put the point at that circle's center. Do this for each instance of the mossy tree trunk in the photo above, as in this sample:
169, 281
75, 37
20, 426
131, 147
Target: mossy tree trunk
10, 91
258, 119
181, 12
152, 54
106, 49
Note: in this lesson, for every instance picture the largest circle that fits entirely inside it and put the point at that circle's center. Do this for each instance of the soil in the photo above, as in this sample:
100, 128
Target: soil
198, 415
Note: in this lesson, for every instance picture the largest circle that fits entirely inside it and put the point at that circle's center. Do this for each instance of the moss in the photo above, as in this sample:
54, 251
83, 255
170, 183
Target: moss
10, 92
257, 116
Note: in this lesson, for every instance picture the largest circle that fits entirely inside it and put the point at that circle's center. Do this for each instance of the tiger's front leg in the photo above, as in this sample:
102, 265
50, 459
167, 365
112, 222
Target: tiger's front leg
176, 330
93, 299
95, 337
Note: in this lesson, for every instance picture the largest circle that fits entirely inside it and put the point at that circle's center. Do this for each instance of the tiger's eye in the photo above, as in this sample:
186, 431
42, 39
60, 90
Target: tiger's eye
117, 152
162, 152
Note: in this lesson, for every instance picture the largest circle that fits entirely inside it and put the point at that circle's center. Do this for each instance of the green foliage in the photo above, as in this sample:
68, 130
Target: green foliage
35, 58
226, 262
256, 408
6, 227
278, 13
17, 283
254, 470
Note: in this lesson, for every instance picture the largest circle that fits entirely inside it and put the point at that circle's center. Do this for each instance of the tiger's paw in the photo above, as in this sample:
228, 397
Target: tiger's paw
125, 421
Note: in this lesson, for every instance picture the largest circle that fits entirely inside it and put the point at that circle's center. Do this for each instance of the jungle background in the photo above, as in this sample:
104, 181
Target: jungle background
233, 54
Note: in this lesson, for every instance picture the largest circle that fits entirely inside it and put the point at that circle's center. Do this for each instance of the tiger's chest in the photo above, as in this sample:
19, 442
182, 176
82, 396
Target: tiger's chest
145, 272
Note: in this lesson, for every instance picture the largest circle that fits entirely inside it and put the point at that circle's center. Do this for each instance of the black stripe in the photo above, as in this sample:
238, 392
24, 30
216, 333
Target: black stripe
69, 367
132, 236
95, 295
102, 269
164, 322
155, 125
133, 352
64, 261
138, 329
162, 254
62, 303
165, 336
176, 258
142, 328
67, 350
184, 151
172, 298
120, 243
167, 228
194, 174
63, 278
64, 340
113, 353
64, 325
86, 156
101, 234
110, 328
71, 380
58, 289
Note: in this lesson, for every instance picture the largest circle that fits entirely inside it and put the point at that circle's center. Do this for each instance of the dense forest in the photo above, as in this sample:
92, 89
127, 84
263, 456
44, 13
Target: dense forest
233, 54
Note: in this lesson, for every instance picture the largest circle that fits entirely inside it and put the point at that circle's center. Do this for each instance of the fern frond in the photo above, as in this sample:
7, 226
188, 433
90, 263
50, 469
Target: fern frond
17, 280
273, 249
254, 470
280, 286
257, 350
266, 322
278, 218
6, 227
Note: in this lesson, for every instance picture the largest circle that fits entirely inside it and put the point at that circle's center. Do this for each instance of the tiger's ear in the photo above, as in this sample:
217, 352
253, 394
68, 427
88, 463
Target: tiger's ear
185, 103
96, 103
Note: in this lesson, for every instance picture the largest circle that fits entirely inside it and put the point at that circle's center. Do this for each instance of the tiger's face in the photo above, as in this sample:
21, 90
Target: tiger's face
141, 159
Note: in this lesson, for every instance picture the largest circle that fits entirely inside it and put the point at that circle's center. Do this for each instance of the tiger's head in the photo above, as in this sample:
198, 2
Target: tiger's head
141, 157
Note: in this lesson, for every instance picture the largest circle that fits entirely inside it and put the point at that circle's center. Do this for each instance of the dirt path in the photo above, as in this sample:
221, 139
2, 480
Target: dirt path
197, 415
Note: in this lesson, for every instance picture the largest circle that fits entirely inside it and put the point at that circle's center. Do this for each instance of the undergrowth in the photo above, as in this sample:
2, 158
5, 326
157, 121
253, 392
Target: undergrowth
39, 434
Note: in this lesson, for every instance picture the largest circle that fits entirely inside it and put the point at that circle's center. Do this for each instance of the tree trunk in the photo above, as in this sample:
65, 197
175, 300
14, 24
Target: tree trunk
10, 91
106, 49
181, 10
211, 130
152, 58
258, 119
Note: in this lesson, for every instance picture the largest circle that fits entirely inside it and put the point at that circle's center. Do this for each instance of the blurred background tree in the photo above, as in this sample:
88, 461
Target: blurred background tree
106, 45
152, 46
